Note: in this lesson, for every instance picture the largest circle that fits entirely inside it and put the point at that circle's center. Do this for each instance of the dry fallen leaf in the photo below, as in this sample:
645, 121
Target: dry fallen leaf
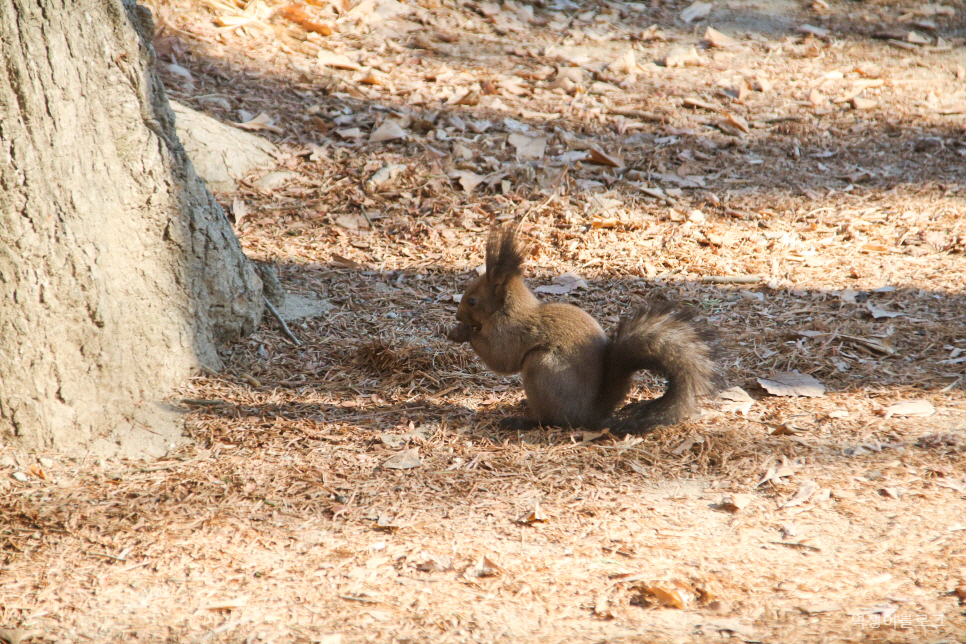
735, 502
909, 408
536, 515
328, 58
528, 147
384, 175
602, 158
434, 563
792, 383
696, 11
736, 400
468, 180
485, 567
804, 492
878, 313
717, 39
352, 221
819, 32
18, 635
349, 132
682, 56
388, 131
404, 460
261, 122
562, 284
859, 103
733, 124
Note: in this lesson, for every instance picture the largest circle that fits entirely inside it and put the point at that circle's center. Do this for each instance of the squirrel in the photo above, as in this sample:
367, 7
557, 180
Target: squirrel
573, 373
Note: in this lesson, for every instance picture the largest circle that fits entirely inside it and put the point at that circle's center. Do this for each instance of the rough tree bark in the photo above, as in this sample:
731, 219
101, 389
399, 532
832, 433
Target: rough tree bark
119, 273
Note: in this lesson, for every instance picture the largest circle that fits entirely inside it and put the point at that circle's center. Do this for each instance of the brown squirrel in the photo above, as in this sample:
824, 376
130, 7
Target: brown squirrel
573, 374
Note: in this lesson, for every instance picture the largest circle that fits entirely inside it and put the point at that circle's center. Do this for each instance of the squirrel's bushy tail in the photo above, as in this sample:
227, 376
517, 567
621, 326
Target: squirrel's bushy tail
665, 341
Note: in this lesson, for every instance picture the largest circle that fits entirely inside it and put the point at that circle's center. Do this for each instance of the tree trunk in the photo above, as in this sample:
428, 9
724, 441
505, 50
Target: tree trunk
119, 273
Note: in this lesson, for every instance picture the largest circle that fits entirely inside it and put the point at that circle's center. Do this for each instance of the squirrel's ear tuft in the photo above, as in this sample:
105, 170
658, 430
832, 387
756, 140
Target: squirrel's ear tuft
504, 254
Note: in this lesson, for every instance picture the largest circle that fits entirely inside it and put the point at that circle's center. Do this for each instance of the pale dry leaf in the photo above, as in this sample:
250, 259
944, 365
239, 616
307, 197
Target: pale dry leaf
330, 638
935, 10
602, 606
536, 515
388, 131
637, 466
736, 400
514, 86
384, 175
860, 103
793, 383
570, 280
352, 221
468, 180
875, 345
951, 484
528, 147
696, 11
682, 57
602, 158
485, 567
786, 429
387, 523
733, 124
847, 295
404, 460
469, 98
690, 101
625, 64
735, 502
349, 132
345, 261
434, 563
819, 32
372, 78
261, 122
717, 39
328, 58
686, 445
919, 407
804, 492
878, 313
18, 635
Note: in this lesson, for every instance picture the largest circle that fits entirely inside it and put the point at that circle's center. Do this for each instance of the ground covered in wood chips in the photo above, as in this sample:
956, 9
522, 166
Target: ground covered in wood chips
797, 173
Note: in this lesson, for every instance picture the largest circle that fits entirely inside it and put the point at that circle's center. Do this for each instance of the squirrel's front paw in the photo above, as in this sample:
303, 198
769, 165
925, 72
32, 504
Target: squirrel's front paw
459, 333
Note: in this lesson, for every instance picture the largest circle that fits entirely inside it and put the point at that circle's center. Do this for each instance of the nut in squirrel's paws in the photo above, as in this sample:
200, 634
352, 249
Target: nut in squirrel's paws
459, 334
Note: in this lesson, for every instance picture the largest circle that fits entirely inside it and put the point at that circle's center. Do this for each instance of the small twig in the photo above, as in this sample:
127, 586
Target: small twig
731, 279
197, 402
285, 329
792, 544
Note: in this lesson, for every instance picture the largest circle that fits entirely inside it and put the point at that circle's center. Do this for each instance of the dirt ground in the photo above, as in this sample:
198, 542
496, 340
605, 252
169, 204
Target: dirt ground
357, 488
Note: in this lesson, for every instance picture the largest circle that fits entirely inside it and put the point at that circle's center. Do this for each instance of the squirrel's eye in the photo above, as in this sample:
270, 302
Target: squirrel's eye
471, 301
